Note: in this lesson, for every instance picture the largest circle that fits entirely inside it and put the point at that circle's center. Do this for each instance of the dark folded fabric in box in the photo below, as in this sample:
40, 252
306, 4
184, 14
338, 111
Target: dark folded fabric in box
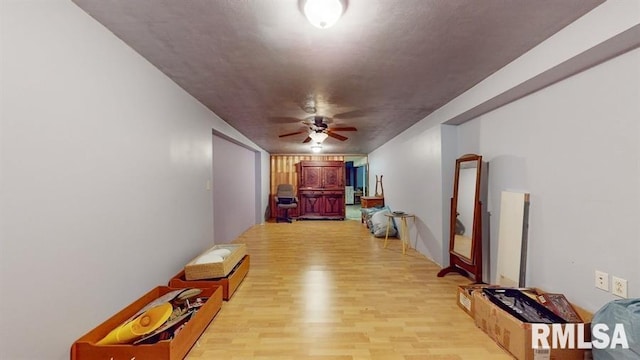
522, 307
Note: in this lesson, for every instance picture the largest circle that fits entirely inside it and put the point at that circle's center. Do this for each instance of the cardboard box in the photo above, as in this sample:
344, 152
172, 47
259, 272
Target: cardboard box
515, 336
229, 283
209, 270
465, 296
86, 348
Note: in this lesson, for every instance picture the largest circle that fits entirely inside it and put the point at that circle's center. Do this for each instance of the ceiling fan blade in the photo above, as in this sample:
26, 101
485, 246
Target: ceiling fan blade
293, 133
344, 128
306, 140
337, 136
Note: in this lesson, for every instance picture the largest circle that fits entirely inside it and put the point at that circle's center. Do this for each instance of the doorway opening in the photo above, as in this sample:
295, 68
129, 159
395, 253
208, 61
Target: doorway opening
356, 184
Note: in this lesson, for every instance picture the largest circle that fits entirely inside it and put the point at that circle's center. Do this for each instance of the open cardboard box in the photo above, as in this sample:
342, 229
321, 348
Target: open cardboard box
465, 296
515, 336
86, 348
229, 283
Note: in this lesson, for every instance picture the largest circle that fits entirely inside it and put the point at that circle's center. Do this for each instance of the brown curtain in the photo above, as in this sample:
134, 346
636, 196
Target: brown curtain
283, 171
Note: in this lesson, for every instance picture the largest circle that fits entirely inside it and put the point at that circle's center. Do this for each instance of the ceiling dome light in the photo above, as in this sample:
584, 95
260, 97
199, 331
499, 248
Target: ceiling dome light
323, 13
318, 137
316, 148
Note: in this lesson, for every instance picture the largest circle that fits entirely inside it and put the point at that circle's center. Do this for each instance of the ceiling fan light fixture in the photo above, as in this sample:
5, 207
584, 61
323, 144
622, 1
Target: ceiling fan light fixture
323, 13
316, 148
318, 137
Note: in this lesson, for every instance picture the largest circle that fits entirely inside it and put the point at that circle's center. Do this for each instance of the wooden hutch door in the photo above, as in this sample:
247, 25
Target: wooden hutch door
311, 177
333, 177
311, 203
334, 204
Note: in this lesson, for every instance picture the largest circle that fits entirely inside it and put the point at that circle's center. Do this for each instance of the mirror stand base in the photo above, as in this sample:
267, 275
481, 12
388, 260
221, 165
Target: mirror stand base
459, 270
451, 269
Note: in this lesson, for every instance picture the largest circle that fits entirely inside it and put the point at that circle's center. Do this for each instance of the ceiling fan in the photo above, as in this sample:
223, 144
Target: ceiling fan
317, 125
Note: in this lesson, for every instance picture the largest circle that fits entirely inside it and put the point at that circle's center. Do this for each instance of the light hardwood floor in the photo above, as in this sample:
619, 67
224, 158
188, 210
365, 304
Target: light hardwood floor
328, 290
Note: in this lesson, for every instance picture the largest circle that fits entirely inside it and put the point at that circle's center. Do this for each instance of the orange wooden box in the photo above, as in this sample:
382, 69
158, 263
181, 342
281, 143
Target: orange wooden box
85, 348
229, 283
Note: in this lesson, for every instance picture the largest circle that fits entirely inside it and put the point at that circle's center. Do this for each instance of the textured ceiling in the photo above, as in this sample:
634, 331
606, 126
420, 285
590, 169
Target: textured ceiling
384, 66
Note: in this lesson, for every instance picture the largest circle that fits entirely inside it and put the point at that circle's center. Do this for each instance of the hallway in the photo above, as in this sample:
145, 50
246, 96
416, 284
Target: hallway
352, 212
328, 290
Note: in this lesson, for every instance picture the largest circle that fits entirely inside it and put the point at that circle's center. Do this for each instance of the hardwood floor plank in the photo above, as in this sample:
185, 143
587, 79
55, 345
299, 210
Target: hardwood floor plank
328, 290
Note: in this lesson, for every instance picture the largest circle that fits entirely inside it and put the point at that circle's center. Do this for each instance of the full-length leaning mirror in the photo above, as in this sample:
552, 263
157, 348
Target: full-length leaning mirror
465, 239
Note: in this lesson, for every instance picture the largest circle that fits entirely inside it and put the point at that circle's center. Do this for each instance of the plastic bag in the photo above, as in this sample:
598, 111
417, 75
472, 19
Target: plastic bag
627, 313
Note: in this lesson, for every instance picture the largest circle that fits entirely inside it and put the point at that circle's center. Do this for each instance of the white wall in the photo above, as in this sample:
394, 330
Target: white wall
575, 146
411, 168
234, 190
104, 163
594, 121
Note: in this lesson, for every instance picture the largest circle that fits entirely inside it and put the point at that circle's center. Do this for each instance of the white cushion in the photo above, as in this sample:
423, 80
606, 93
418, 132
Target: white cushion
209, 258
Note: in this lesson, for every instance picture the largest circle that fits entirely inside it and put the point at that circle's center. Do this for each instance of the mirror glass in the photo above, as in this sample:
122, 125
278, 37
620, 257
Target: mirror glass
465, 200
465, 206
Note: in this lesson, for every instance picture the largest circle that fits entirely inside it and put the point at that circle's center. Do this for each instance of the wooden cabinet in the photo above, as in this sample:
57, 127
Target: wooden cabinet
369, 202
321, 189
321, 175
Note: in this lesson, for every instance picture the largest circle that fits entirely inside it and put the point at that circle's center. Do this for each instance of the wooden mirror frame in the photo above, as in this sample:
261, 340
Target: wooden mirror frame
466, 266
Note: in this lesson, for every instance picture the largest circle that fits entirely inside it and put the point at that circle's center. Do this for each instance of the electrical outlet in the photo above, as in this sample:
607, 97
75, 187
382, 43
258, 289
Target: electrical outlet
602, 280
619, 287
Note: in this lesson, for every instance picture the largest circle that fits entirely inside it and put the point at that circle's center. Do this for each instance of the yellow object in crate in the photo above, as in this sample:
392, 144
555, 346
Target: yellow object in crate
144, 324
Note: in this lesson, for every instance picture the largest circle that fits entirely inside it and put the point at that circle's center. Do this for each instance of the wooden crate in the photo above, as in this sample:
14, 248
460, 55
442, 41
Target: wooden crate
229, 283
86, 348
195, 271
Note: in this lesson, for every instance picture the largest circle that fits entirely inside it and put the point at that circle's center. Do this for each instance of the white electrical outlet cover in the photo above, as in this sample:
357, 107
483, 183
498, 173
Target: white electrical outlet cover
602, 280
619, 287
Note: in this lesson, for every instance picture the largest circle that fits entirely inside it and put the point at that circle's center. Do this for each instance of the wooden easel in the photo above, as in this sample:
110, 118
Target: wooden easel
381, 193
